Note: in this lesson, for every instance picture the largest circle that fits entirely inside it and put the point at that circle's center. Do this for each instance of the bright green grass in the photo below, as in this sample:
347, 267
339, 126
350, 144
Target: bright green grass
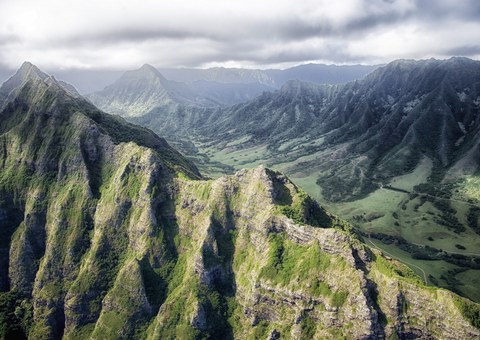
471, 281
242, 140
291, 142
419, 175
239, 158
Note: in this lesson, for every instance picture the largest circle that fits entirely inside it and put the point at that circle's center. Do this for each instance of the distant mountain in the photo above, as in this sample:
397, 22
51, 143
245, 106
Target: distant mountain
219, 75
315, 73
141, 91
109, 233
321, 74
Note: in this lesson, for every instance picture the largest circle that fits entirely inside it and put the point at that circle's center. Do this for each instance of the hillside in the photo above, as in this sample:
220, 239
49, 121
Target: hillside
109, 233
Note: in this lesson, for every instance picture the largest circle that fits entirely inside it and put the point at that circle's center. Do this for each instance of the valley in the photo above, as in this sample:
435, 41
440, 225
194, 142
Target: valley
366, 151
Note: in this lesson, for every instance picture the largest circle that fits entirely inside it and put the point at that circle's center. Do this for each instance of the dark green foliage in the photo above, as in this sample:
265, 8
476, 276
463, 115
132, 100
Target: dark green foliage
389, 187
459, 246
218, 310
305, 210
469, 310
155, 285
452, 283
339, 298
433, 279
447, 217
472, 219
307, 327
320, 288
260, 330
336, 188
11, 217
427, 252
275, 257
16, 314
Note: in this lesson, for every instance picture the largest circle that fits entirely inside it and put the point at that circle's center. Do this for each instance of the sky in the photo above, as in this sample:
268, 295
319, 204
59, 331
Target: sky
112, 35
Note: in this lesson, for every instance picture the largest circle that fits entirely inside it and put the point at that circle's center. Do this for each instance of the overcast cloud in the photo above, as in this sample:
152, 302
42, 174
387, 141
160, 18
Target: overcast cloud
119, 35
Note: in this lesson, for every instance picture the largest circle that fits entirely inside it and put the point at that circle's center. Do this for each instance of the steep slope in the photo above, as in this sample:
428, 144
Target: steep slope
273, 117
109, 233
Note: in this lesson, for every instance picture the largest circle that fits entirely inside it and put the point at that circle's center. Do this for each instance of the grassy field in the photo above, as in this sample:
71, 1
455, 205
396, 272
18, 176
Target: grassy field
468, 281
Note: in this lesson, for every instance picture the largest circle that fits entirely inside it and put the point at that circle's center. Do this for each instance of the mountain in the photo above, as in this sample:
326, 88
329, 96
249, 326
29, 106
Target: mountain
145, 90
107, 233
220, 75
321, 74
139, 91
273, 78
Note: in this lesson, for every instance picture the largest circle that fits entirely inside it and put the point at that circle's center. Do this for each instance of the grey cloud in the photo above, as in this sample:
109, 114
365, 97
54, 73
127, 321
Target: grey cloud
464, 50
285, 28
464, 10
292, 36
8, 38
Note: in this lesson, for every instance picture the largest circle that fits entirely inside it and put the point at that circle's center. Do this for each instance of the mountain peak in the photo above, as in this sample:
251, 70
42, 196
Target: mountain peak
148, 67
26, 72
295, 87
146, 72
149, 70
29, 71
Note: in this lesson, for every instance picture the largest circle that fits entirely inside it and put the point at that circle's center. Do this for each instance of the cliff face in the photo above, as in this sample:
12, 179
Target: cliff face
107, 232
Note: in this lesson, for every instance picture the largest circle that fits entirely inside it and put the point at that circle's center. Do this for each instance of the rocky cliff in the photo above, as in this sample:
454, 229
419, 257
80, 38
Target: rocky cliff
108, 233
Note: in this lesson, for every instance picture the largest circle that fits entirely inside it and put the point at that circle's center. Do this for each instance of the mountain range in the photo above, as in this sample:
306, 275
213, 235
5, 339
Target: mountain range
380, 124
147, 89
396, 153
109, 233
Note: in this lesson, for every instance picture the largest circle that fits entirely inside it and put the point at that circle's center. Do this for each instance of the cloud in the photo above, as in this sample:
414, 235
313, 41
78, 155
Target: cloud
121, 34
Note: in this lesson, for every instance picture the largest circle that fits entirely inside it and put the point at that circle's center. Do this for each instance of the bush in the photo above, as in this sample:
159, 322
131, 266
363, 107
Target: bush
469, 309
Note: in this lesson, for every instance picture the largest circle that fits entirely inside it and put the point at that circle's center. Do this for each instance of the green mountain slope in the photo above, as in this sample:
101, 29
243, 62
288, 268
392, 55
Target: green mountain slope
108, 233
